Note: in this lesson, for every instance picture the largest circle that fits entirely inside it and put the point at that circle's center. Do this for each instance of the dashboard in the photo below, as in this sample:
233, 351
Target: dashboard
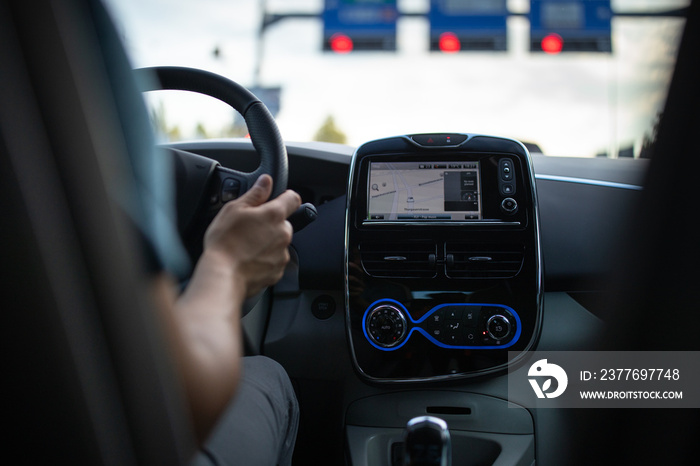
357, 390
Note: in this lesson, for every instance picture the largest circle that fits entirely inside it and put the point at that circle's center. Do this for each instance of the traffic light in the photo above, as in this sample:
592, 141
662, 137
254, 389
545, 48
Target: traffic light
340, 43
552, 44
448, 42
347, 41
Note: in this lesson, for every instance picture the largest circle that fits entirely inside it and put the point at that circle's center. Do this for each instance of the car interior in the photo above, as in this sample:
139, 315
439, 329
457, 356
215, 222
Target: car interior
385, 313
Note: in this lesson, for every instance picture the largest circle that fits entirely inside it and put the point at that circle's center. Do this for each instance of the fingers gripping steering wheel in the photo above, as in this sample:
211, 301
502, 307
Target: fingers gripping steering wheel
203, 185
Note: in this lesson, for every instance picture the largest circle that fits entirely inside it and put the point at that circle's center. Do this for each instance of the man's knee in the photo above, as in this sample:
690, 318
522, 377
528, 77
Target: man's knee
266, 370
274, 381
270, 377
261, 424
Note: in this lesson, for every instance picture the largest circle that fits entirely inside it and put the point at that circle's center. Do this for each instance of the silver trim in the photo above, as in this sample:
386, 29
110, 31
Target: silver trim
588, 181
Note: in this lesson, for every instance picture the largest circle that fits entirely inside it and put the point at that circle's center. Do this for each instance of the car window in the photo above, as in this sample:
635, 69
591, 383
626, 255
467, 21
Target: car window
602, 102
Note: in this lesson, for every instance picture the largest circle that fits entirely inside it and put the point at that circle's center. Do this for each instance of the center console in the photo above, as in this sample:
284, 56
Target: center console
443, 265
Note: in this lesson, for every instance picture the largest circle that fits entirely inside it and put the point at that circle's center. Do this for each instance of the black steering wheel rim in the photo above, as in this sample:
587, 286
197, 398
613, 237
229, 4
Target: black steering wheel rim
263, 130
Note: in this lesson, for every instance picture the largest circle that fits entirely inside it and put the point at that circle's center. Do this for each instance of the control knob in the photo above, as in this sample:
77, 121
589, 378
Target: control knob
498, 327
386, 326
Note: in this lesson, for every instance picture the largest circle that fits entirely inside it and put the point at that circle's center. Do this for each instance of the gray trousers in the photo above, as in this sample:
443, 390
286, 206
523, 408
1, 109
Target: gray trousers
260, 424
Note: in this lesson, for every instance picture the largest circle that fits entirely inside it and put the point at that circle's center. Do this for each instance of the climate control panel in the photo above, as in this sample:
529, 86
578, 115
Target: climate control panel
388, 325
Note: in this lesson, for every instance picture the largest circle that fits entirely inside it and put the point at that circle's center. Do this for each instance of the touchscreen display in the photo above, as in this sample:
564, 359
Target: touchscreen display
424, 191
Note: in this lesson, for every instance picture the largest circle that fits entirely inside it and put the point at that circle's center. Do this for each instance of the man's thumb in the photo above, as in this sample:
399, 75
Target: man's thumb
259, 193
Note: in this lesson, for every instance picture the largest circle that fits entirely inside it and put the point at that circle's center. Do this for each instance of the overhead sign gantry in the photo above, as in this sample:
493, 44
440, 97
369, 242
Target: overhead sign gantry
352, 25
570, 26
467, 25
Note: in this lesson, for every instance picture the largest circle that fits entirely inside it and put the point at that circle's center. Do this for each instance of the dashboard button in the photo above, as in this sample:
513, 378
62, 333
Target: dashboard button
498, 327
505, 167
509, 206
470, 337
456, 338
454, 312
435, 320
437, 333
470, 317
454, 326
323, 307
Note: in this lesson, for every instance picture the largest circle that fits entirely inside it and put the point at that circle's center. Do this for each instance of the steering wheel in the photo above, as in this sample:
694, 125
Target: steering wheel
203, 185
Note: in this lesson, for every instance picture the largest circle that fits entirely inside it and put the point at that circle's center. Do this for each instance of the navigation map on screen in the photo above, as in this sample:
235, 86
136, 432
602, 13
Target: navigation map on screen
424, 191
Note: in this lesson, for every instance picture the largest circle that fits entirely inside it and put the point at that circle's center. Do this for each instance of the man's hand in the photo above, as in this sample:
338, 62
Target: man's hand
254, 235
245, 250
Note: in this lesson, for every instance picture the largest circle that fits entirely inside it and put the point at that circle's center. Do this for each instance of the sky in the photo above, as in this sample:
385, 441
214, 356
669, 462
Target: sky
571, 104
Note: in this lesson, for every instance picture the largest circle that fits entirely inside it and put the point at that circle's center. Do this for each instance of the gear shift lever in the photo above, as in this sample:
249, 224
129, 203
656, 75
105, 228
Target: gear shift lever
427, 442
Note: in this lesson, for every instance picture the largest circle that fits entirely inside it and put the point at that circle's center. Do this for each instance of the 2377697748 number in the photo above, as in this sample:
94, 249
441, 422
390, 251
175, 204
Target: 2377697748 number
639, 374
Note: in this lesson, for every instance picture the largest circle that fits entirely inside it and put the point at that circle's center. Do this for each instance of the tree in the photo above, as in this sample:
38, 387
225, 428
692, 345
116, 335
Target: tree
329, 132
201, 131
237, 128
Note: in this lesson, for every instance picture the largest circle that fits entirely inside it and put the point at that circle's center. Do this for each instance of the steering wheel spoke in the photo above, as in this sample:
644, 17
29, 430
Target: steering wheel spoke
203, 185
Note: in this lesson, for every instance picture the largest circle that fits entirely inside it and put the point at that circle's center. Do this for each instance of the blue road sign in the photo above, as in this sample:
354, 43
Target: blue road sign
369, 24
476, 24
583, 25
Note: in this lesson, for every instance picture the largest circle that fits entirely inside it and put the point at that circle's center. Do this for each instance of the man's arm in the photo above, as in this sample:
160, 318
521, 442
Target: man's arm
245, 250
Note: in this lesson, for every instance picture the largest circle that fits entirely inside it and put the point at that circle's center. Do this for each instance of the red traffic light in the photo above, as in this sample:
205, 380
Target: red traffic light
449, 43
340, 43
552, 44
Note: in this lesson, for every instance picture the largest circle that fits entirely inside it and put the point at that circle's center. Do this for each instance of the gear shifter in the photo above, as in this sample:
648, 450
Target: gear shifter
427, 442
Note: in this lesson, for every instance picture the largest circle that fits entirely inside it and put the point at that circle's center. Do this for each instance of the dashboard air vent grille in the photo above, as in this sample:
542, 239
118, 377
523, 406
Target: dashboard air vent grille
467, 260
409, 259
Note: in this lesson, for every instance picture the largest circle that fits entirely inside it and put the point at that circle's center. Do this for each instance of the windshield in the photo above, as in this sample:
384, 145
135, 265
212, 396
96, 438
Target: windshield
602, 102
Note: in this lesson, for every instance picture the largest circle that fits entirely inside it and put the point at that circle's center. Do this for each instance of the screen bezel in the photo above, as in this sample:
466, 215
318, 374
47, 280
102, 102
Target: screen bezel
490, 197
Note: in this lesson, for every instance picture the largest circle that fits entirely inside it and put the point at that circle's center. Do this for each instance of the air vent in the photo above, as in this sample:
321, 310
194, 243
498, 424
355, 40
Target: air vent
410, 259
466, 260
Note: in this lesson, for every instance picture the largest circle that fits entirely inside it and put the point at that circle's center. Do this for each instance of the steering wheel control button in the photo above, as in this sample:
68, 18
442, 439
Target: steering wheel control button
498, 327
386, 326
230, 189
509, 206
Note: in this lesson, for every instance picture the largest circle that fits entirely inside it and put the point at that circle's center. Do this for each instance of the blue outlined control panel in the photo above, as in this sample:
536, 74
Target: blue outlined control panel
388, 325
